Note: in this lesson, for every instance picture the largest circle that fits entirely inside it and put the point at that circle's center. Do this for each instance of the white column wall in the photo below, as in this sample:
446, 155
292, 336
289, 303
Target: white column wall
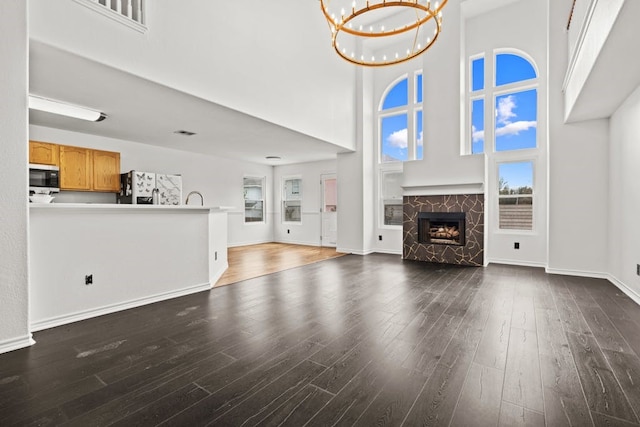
14, 279
624, 196
219, 180
309, 230
578, 171
356, 176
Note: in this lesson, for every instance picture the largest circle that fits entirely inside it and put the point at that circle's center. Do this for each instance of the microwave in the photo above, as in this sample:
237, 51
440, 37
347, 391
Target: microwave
44, 178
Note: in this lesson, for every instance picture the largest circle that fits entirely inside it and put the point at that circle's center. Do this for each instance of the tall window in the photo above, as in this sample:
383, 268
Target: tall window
400, 120
292, 200
515, 195
513, 121
253, 199
503, 111
391, 194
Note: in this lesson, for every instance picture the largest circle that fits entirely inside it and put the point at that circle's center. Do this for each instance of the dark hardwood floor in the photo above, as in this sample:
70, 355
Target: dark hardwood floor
350, 341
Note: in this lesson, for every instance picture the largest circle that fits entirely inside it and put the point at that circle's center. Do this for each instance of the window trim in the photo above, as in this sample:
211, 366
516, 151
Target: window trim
491, 91
264, 200
284, 199
389, 167
512, 51
531, 156
409, 109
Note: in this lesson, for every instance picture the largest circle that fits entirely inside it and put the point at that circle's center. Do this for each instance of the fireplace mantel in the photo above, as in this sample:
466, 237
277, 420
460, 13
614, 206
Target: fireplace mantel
436, 189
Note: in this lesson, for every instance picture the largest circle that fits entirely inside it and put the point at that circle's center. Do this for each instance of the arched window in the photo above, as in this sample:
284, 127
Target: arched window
514, 92
400, 120
503, 106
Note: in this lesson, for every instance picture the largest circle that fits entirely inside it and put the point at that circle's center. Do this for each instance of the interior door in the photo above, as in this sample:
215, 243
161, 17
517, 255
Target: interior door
329, 210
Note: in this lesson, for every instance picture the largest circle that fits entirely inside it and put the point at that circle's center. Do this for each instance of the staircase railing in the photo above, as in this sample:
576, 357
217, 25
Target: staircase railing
129, 12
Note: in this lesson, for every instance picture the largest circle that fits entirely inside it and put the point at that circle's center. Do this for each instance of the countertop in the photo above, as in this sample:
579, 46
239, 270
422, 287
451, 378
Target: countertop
126, 207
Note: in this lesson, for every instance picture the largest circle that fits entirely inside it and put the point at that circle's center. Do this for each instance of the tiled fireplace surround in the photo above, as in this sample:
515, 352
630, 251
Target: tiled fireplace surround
472, 253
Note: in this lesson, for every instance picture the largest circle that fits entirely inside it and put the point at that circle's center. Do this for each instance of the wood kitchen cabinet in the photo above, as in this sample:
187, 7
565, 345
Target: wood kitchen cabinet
106, 171
44, 153
75, 168
84, 169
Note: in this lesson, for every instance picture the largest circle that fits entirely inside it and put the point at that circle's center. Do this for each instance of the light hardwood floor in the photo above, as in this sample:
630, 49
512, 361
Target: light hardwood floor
247, 262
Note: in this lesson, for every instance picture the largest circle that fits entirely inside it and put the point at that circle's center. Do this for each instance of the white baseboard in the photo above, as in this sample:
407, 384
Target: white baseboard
389, 251
354, 251
258, 242
598, 275
219, 274
516, 263
100, 311
16, 343
577, 273
624, 288
298, 242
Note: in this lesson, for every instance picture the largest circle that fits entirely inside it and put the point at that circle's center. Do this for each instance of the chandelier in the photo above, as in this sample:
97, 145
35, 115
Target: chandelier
382, 32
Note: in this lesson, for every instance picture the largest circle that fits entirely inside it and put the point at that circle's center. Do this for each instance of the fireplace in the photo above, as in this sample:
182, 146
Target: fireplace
441, 228
446, 228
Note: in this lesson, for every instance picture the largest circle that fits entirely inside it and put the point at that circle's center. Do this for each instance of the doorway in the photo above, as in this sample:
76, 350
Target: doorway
329, 210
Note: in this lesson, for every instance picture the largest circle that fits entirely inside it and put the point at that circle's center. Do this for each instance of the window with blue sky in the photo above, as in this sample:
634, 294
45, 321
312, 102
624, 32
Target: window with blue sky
400, 121
503, 114
515, 195
516, 110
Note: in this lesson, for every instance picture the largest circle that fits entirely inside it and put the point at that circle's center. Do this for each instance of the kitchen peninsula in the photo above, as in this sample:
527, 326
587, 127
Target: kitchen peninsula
132, 255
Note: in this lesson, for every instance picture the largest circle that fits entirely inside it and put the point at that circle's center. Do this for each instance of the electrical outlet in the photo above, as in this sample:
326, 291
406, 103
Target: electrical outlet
288, 231
516, 245
380, 237
88, 279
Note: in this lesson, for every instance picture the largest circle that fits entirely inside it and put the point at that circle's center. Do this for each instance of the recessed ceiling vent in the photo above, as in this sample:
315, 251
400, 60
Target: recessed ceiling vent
184, 132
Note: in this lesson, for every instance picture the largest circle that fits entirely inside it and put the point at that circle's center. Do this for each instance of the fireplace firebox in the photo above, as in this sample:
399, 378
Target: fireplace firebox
441, 228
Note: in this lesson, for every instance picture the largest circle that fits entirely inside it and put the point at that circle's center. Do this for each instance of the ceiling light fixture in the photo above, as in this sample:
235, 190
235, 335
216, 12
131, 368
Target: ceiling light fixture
58, 107
390, 27
273, 158
184, 132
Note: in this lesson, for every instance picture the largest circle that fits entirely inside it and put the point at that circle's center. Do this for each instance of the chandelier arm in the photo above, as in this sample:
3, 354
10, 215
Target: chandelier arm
415, 38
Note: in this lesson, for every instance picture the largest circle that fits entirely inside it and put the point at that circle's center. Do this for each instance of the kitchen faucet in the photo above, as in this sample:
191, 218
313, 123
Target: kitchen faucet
186, 202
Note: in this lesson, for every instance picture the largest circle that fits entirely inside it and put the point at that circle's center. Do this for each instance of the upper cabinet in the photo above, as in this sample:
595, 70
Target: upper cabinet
106, 171
75, 168
84, 169
43, 153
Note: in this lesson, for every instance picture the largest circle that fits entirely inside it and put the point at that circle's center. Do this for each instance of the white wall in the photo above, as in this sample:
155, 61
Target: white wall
519, 26
578, 171
356, 176
624, 190
309, 230
14, 280
137, 255
442, 162
231, 55
219, 180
